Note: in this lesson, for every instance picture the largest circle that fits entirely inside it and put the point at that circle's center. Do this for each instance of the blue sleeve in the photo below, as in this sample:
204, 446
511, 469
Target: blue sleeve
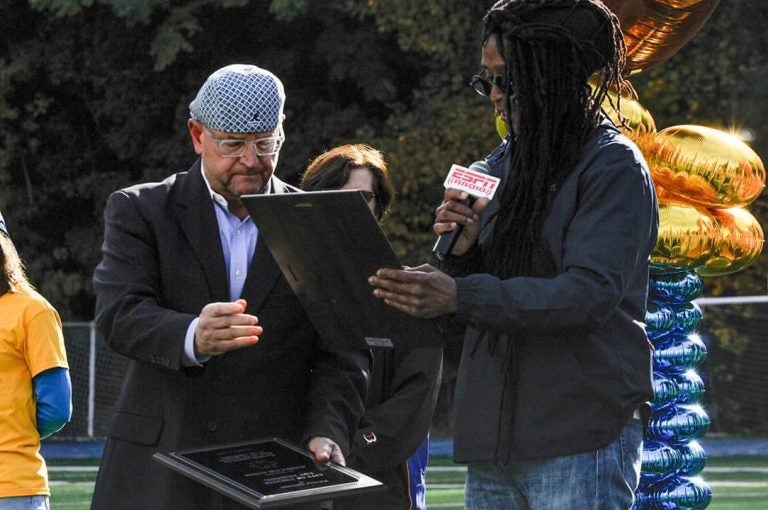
53, 396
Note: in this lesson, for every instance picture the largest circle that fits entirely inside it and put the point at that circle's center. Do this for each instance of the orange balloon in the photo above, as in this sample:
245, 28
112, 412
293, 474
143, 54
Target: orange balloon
654, 30
704, 166
667, 197
687, 236
739, 244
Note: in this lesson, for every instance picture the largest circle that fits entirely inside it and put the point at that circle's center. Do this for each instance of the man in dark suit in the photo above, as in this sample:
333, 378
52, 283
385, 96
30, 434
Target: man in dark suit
220, 349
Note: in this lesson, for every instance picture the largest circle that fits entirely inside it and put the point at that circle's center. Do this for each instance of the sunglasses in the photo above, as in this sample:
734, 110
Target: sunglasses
482, 84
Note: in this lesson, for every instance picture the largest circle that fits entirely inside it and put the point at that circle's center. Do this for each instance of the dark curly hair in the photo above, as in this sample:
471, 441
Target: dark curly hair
551, 50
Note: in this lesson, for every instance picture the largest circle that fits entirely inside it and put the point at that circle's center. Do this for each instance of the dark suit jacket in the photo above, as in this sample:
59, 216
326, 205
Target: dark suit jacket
162, 262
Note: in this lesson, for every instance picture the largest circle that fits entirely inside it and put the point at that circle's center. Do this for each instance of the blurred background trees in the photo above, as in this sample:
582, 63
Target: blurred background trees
94, 96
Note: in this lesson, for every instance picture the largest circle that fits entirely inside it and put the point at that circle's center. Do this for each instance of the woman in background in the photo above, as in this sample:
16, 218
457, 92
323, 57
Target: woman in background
392, 440
35, 390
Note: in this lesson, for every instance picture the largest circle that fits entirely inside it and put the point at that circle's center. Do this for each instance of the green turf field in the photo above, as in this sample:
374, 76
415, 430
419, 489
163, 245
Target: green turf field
738, 483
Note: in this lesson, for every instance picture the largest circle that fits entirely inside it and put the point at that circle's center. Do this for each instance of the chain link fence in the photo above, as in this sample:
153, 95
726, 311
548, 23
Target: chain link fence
97, 375
735, 376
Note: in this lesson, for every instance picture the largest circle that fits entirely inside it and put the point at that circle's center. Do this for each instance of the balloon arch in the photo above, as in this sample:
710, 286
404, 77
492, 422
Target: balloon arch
705, 178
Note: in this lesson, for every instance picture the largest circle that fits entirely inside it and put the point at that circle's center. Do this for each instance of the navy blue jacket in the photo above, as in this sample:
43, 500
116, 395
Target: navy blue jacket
572, 359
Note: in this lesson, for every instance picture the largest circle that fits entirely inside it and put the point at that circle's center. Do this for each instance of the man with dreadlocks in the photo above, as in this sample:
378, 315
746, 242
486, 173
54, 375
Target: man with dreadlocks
549, 279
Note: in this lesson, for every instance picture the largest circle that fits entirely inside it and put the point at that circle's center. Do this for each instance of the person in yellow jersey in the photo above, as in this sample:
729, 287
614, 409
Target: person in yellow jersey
35, 389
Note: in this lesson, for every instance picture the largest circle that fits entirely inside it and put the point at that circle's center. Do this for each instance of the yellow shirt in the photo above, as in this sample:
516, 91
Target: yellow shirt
31, 341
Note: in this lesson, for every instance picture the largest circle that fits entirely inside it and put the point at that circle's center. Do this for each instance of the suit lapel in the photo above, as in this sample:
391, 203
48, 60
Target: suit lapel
262, 277
197, 218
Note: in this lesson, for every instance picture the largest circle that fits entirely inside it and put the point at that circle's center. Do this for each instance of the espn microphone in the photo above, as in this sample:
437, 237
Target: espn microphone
478, 184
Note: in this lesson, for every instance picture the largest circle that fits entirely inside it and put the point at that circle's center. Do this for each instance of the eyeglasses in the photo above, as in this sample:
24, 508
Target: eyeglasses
483, 85
235, 148
368, 195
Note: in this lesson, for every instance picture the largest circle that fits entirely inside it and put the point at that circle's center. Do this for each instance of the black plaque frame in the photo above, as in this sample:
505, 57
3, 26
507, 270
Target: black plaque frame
301, 481
327, 244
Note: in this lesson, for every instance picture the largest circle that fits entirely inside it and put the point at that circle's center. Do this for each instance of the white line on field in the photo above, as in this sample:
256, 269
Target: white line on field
736, 470
87, 469
461, 469
737, 484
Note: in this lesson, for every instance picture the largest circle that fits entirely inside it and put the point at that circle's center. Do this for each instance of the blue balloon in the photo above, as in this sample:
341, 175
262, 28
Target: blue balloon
690, 387
664, 389
662, 319
675, 492
659, 319
659, 459
693, 458
677, 424
676, 387
679, 352
675, 286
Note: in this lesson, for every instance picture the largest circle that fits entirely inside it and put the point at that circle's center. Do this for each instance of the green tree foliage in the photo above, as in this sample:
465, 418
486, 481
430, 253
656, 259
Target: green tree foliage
94, 96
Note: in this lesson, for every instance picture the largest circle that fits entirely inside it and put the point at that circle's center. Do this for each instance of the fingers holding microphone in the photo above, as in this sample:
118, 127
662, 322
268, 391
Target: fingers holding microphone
457, 211
467, 192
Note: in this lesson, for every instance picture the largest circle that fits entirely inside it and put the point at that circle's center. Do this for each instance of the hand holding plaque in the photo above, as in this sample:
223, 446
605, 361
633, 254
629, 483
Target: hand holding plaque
267, 473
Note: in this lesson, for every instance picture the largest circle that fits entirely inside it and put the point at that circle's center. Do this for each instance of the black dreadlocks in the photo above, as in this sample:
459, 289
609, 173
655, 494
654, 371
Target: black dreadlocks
550, 49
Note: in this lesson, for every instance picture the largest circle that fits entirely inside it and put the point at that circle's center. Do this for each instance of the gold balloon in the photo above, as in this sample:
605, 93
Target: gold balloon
687, 236
705, 166
654, 30
637, 119
739, 244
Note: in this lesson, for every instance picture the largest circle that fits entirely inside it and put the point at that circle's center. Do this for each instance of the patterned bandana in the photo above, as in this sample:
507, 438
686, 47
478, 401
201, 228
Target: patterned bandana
240, 99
